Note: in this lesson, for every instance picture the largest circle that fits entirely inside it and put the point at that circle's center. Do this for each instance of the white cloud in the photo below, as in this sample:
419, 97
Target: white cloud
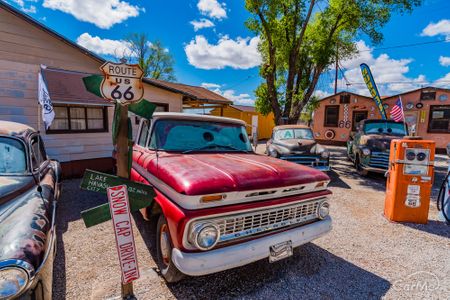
23, 6
210, 86
212, 9
321, 94
440, 28
104, 46
202, 23
103, 13
444, 61
390, 74
238, 99
241, 53
443, 82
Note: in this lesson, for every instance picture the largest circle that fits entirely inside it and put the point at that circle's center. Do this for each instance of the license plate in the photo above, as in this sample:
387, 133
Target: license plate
280, 251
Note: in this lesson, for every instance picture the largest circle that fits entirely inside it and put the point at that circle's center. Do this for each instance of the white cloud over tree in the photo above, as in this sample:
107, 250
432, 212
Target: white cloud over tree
212, 9
241, 53
238, 99
101, 46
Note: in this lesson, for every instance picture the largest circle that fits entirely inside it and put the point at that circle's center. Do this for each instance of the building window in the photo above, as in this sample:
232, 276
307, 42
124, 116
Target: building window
331, 116
427, 95
358, 116
439, 120
345, 99
79, 119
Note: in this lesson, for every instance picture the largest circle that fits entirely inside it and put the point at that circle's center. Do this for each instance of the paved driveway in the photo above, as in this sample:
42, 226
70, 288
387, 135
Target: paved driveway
365, 256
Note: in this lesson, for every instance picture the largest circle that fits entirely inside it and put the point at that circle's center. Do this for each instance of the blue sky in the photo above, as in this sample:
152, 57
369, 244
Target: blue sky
221, 52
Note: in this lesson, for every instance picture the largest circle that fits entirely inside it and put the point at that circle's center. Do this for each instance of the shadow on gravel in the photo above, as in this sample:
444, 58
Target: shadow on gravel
434, 227
72, 202
312, 273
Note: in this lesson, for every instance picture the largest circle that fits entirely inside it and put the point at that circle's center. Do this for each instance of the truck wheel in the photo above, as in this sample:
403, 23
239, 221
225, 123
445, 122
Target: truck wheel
358, 167
164, 248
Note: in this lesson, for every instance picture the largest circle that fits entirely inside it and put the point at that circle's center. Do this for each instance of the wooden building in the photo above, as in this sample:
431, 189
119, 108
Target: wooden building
246, 113
427, 113
80, 136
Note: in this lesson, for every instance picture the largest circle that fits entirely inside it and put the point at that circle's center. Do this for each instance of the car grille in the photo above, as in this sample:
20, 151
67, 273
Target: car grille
379, 160
306, 160
243, 225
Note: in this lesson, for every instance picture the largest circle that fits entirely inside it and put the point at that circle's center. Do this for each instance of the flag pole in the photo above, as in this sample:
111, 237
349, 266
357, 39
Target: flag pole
403, 116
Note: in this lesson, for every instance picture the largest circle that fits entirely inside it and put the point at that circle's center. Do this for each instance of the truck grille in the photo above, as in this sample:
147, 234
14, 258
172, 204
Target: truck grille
243, 225
379, 160
306, 160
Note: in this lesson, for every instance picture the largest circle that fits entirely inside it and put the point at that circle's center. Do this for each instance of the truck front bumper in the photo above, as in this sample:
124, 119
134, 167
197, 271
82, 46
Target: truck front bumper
202, 263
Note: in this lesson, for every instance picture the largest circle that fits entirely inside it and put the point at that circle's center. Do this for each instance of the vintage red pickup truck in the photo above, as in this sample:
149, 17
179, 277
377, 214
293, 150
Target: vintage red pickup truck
220, 205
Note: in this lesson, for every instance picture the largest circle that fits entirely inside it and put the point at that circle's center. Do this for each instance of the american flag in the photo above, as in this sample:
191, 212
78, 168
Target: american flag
397, 111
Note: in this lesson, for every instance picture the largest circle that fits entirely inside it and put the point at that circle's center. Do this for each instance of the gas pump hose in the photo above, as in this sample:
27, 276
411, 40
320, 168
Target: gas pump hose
441, 198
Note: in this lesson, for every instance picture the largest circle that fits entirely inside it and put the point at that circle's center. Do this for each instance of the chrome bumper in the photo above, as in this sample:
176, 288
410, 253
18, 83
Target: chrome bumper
202, 263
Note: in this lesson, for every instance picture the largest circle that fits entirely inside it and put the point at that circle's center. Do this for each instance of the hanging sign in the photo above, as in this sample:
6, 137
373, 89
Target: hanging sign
122, 82
368, 79
120, 212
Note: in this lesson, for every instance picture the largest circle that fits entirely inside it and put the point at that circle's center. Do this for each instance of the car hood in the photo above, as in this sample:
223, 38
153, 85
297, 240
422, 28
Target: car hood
12, 186
24, 220
208, 173
300, 145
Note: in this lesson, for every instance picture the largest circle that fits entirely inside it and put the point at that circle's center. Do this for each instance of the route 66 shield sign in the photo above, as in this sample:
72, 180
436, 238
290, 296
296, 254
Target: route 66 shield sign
122, 82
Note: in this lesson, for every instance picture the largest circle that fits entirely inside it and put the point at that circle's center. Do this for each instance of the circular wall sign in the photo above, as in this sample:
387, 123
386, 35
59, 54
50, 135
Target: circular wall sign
419, 105
409, 105
330, 134
443, 97
333, 101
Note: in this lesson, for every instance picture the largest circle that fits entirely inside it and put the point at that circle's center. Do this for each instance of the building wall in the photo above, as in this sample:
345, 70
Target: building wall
422, 115
265, 123
342, 131
23, 48
361, 103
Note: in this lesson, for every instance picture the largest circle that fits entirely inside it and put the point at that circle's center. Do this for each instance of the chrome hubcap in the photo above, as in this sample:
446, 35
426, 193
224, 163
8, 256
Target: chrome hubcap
164, 241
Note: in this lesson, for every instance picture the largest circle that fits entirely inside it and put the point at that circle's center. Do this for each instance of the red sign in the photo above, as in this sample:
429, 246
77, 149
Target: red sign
120, 213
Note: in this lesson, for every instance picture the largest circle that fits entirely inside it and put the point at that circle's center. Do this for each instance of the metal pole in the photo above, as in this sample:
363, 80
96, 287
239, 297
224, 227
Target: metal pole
123, 171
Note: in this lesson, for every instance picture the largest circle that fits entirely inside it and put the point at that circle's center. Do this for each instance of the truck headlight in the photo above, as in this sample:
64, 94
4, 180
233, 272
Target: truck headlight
12, 282
325, 154
366, 151
204, 236
323, 210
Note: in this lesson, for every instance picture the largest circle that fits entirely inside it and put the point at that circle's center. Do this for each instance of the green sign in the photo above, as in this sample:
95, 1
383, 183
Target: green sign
141, 195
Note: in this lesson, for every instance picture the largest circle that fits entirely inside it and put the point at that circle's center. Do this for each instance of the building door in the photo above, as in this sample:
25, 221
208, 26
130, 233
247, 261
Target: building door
357, 117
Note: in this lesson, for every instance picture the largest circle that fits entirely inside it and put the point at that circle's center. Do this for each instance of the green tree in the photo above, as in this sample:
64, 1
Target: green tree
154, 59
308, 110
300, 40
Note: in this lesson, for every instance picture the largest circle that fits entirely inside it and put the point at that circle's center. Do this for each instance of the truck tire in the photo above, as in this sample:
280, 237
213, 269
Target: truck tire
164, 248
358, 167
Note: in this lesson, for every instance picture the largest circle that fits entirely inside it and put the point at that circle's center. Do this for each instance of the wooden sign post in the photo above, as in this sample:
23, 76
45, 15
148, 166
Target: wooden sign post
122, 85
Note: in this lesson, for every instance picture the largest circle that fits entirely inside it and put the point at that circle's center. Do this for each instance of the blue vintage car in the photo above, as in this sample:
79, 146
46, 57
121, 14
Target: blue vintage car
29, 189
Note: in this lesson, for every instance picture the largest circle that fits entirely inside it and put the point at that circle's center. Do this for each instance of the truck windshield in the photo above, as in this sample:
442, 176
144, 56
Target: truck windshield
12, 157
191, 135
391, 128
294, 133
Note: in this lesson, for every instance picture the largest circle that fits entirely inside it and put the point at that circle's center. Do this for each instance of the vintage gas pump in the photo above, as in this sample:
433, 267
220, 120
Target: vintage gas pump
443, 200
410, 179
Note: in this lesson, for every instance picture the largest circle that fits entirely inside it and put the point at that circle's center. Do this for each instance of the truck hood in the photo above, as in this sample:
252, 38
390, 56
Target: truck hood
208, 173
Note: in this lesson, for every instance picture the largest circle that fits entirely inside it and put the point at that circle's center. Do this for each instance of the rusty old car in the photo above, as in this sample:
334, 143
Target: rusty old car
218, 204
29, 189
296, 143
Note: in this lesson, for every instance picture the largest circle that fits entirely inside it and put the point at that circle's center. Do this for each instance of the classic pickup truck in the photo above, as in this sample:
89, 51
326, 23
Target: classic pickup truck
220, 205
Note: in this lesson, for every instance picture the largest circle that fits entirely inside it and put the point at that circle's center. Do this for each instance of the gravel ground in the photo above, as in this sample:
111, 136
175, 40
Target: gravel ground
364, 256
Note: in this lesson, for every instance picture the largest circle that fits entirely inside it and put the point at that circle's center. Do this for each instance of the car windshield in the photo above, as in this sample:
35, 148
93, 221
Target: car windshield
294, 133
391, 128
192, 135
12, 157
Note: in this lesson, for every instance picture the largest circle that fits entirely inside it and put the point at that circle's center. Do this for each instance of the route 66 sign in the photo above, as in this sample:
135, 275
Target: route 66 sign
122, 82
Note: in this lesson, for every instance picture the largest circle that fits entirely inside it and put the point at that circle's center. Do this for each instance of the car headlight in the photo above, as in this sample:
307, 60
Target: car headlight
323, 210
12, 282
204, 236
366, 151
325, 154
